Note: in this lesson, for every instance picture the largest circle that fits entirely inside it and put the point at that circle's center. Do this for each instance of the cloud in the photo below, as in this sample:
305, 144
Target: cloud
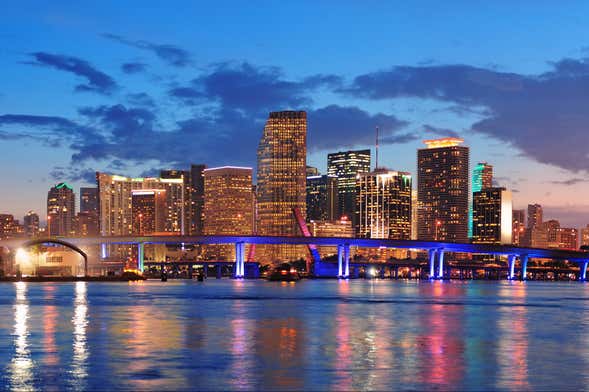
171, 54
132, 68
439, 132
538, 114
60, 173
97, 81
140, 99
570, 181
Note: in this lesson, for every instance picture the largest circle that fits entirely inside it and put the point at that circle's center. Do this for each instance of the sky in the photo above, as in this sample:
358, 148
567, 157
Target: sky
151, 85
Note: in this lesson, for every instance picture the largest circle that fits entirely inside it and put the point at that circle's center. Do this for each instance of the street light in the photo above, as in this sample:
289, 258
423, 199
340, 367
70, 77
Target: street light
438, 224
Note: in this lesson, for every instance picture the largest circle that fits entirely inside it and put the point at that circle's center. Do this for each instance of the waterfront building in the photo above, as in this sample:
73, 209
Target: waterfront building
346, 166
568, 238
518, 226
229, 206
384, 204
482, 178
322, 198
61, 210
31, 224
86, 224
89, 199
585, 236
414, 208
148, 211
443, 190
197, 201
536, 237
551, 227
177, 186
341, 228
534, 215
492, 216
281, 183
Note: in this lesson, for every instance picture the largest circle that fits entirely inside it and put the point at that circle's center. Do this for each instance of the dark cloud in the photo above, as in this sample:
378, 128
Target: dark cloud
132, 68
570, 181
171, 54
85, 175
140, 99
440, 132
97, 81
538, 114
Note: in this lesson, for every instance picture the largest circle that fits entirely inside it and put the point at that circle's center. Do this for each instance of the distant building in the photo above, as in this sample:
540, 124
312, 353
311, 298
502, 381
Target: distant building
585, 236
568, 238
518, 227
31, 224
9, 227
322, 198
281, 186
443, 190
534, 215
482, 178
384, 205
552, 228
492, 216
61, 210
148, 211
197, 198
177, 186
312, 171
346, 166
414, 208
89, 199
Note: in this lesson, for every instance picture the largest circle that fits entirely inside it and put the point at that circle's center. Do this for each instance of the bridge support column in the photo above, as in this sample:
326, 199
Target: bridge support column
432, 263
583, 271
511, 267
189, 271
219, 271
103, 251
140, 256
346, 261
239, 259
205, 270
340, 259
440, 264
524, 261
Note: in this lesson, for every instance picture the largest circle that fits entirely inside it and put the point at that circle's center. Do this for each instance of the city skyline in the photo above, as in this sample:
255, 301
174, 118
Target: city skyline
124, 99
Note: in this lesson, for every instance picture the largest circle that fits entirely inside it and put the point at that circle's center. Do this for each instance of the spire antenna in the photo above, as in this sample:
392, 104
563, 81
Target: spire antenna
376, 164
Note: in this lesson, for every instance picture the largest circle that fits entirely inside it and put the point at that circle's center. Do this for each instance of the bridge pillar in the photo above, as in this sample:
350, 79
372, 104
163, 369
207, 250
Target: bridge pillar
140, 256
511, 266
524, 261
432, 263
219, 270
346, 261
239, 259
340, 259
583, 272
205, 270
103, 251
440, 264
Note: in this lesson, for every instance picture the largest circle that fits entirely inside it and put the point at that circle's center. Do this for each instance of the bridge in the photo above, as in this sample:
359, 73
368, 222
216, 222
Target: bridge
436, 249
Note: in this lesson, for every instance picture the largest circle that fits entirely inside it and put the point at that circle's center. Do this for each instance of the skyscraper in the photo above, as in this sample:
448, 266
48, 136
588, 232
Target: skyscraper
384, 205
322, 197
148, 211
534, 215
177, 186
61, 210
443, 191
197, 198
89, 199
492, 216
31, 224
229, 206
346, 165
281, 182
482, 178
519, 227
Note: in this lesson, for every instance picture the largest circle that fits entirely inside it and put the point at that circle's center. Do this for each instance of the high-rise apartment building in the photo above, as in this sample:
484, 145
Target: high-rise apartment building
518, 227
61, 210
534, 215
89, 199
86, 224
384, 204
492, 216
482, 178
178, 192
9, 227
585, 236
346, 166
148, 211
229, 206
197, 201
322, 198
281, 183
568, 238
31, 224
443, 191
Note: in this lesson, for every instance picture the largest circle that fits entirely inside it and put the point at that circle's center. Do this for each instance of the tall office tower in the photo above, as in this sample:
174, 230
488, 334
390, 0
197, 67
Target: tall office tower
384, 205
61, 210
534, 215
312, 171
148, 211
518, 226
347, 165
281, 183
89, 199
322, 197
229, 206
197, 201
31, 224
492, 216
585, 236
482, 178
177, 186
442, 186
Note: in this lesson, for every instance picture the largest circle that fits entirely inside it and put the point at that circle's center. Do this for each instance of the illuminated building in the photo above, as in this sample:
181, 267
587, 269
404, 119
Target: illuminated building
61, 210
383, 205
177, 186
281, 183
443, 191
519, 227
346, 165
87, 224
229, 208
551, 227
9, 227
482, 178
31, 224
534, 215
414, 208
322, 197
197, 201
312, 171
148, 211
89, 199
341, 228
535, 237
568, 238
492, 216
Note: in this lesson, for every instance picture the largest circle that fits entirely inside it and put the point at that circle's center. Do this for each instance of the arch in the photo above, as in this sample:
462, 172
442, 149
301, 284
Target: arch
58, 241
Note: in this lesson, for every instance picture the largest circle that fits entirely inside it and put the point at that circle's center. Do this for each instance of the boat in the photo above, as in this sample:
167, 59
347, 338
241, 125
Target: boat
284, 273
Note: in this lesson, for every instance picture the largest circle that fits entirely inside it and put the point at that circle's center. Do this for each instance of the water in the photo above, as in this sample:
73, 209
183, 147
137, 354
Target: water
312, 335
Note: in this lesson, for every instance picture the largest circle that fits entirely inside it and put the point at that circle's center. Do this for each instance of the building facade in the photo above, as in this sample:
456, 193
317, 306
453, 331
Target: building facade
89, 199
281, 185
535, 215
197, 201
31, 224
492, 216
519, 227
322, 198
443, 190
61, 210
148, 211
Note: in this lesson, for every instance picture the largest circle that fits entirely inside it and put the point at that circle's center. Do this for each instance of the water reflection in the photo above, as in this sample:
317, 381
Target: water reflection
21, 367
80, 322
